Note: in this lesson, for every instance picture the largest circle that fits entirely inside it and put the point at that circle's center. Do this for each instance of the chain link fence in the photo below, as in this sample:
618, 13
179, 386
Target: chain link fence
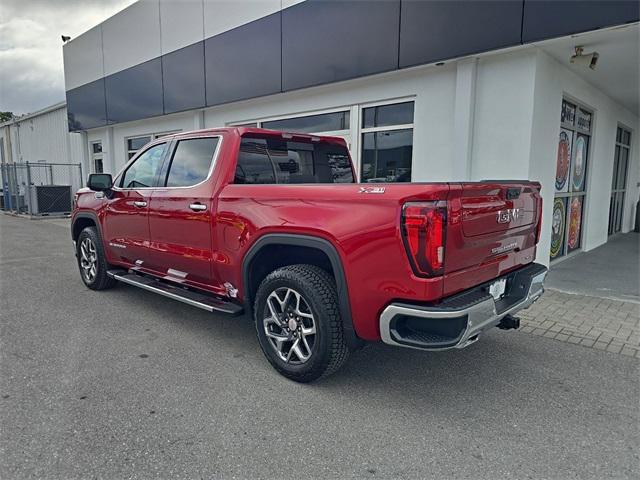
39, 189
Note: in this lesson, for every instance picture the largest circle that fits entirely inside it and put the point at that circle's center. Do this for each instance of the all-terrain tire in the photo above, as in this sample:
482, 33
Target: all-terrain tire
317, 288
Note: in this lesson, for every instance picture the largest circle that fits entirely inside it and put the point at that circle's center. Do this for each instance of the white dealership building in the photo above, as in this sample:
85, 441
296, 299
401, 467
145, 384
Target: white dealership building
421, 91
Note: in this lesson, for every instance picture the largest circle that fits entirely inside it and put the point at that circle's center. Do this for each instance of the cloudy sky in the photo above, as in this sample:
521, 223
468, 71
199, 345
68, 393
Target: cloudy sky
31, 71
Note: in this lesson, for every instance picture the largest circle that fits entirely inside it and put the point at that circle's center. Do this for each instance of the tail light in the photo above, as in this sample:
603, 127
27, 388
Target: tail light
539, 225
423, 232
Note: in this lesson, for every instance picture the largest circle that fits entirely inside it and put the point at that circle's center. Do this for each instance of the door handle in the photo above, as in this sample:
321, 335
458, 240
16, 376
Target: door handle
140, 204
198, 207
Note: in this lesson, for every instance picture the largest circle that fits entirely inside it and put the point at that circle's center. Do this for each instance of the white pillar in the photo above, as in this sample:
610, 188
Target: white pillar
108, 152
464, 109
198, 120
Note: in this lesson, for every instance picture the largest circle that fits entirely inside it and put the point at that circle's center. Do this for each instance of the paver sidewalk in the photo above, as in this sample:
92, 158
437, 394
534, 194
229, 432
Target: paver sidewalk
594, 322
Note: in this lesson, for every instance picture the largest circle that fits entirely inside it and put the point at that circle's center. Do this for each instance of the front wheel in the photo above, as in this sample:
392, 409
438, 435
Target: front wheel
298, 322
92, 261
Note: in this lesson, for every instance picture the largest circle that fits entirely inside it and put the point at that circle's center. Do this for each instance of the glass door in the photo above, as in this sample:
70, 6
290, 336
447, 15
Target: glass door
619, 180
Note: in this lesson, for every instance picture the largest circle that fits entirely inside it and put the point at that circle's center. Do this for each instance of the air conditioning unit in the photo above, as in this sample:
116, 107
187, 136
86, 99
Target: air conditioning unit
50, 199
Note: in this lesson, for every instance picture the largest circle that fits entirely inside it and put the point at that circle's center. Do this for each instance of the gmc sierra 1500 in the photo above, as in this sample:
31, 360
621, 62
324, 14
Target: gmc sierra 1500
274, 224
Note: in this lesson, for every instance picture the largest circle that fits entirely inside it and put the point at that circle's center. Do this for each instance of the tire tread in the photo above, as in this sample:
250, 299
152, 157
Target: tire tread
323, 285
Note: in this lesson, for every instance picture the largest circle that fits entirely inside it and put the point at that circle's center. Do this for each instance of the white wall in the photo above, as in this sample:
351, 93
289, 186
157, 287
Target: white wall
432, 88
44, 138
503, 116
552, 80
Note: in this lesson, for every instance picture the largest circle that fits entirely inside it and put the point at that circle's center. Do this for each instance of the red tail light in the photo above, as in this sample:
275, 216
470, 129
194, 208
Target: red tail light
539, 225
424, 231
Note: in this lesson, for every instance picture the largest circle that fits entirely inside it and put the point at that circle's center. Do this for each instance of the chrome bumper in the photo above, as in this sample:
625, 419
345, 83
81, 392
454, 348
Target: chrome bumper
480, 316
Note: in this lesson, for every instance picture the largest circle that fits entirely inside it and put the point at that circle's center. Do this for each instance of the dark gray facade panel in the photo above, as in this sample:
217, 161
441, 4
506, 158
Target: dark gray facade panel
555, 18
86, 106
323, 41
439, 30
327, 41
183, 79
244, 62
135, 93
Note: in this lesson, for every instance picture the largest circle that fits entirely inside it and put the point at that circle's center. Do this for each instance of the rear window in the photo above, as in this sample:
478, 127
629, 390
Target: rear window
191, 161
277, 160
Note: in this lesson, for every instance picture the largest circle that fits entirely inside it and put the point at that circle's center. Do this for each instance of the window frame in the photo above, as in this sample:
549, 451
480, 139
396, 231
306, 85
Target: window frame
130, 154
616, 191
388, 128
95, 156
354, 132
168, 159
569, 195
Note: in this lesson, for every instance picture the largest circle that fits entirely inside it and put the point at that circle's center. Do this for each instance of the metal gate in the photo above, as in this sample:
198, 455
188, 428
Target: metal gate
39, 189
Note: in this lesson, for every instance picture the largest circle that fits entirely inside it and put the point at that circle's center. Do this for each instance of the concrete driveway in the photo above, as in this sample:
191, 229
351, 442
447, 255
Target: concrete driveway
125, 384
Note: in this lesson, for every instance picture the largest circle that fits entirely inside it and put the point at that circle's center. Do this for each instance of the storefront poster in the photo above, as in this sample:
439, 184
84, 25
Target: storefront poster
557, 227
568, 112
562, 162
579, 162
575, 220
584, 120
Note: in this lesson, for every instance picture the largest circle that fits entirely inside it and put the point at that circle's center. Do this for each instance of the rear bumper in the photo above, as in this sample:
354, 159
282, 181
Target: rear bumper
459, 320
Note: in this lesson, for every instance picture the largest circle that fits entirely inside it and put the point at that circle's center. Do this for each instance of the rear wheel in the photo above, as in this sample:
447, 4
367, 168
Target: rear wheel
298, 323
92, 261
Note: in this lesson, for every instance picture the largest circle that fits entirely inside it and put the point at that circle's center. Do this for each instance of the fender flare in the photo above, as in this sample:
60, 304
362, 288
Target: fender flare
336, 264
89, 215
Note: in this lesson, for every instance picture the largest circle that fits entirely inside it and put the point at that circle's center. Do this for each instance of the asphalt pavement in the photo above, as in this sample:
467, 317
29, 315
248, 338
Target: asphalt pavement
126, 384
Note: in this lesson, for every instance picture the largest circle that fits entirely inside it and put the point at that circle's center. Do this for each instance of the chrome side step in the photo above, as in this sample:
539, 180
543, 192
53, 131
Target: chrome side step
190, 297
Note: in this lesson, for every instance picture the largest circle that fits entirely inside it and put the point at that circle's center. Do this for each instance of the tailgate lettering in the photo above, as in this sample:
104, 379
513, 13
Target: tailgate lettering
506, 216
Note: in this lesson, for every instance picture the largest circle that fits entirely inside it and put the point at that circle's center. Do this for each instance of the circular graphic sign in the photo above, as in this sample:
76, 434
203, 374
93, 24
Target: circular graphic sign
557, 227
574, 223
579, 163
562, 165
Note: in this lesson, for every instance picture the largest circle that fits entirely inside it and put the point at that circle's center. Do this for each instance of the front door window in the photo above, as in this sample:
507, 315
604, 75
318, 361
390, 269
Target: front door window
142, 173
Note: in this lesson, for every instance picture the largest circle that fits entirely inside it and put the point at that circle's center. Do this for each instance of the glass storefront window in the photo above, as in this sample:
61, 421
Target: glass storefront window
572, 161
386, 156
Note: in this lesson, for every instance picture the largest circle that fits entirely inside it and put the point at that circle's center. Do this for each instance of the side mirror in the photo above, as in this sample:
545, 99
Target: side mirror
100, 182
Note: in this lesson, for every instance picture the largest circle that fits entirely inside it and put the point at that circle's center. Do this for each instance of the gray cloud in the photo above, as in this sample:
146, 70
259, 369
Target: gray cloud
31, 68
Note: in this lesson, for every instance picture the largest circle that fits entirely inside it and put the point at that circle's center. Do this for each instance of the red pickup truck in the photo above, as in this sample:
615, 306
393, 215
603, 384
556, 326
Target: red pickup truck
274, 224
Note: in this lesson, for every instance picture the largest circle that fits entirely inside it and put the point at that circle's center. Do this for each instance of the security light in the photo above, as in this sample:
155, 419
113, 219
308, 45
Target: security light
585, 59
65, 38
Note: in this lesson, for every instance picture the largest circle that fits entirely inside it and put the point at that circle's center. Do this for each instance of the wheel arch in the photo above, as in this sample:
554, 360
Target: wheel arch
307, 249
83, 220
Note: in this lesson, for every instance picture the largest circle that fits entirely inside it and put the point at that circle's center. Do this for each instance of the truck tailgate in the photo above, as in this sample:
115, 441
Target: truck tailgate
491, 230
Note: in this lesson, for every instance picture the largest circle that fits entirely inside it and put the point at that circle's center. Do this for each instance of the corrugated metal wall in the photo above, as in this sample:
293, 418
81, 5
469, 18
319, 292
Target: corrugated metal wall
44, 138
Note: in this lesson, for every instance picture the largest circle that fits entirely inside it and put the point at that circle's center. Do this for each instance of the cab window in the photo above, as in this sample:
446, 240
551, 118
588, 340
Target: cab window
275, 160
144, 170
191, 161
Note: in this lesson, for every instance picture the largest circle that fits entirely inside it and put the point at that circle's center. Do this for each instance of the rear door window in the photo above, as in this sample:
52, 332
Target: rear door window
191, 161
276, 160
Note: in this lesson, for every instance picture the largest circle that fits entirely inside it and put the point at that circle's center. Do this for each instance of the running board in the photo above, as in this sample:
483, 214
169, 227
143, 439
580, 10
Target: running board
190, 297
